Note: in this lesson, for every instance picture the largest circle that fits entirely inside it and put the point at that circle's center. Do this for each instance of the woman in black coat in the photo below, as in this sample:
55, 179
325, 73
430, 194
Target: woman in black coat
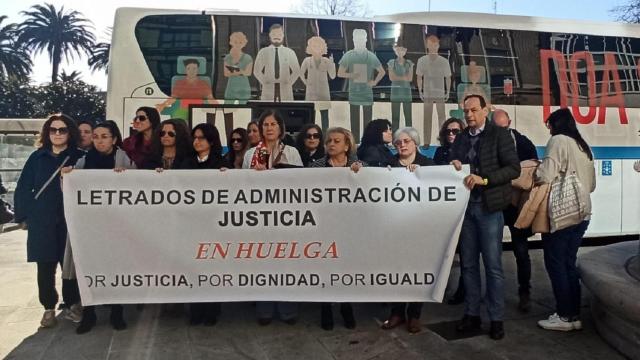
373, 148
448, 132
170, 146
309, 143
38, 202
207, 155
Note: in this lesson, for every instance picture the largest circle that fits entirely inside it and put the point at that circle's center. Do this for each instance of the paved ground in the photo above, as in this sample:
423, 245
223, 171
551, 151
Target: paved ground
152, 335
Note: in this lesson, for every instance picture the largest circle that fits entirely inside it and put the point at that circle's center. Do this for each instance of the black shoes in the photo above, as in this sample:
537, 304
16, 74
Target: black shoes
524, 305
469, 323
88, 320
496, 331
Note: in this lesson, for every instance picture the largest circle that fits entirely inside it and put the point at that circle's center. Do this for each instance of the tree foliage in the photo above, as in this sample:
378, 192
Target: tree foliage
14, 59
629, 12
99, 59
59, 32
333, 7
73, 97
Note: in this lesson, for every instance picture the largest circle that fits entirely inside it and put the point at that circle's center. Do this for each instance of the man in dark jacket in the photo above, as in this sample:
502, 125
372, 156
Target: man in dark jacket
491, 154
519, 237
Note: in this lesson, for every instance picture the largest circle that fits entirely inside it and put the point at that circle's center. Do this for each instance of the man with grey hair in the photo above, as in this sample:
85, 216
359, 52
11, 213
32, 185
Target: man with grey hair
519, 237
358, 65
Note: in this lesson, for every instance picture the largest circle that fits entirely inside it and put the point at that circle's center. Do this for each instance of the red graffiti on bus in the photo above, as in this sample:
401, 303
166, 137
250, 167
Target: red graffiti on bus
598, 99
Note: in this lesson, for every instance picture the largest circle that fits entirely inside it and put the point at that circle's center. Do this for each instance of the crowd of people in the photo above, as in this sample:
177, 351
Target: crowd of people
491, 148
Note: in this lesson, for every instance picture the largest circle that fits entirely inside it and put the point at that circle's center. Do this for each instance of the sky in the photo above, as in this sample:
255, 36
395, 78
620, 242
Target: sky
101, 13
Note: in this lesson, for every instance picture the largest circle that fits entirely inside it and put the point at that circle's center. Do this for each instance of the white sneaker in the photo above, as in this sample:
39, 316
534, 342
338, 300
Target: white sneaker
74, 313
555, 322
48, 319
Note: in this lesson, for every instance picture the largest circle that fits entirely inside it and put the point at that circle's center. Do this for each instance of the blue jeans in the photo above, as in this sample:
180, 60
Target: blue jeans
482, 234
560, 251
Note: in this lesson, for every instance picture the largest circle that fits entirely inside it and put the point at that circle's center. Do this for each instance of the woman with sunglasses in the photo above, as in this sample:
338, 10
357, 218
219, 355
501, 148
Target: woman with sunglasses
309, 144
373, 148
38, 203
171, 144
138, 145
238, 144
448, 132
105, 154
340, 152
207, 154
406, 140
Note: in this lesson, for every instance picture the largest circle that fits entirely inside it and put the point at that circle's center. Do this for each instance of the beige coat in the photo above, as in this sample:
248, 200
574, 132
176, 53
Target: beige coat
534, 212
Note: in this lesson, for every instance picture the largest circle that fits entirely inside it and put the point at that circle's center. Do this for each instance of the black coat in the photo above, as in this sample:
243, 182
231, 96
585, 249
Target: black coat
46, 236
497, 162
441, 157
525, 148
419, 160
308, 159
213, 162
155, 161
377, 156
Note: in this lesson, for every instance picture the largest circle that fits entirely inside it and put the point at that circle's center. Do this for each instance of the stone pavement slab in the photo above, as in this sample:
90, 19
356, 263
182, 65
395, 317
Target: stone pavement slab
154, 334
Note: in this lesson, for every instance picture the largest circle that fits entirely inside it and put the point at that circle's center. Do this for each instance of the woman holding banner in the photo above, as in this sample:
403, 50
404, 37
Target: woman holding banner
373, 148
105, 154
207, 155
272, 153
38, 203
340, 148
170, 145
406, 140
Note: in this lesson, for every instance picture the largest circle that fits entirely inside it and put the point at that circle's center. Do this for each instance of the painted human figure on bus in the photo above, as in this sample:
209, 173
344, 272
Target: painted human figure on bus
433, 77
191, 89
400, 74
276, 68
238, 67
315, 72
358, 65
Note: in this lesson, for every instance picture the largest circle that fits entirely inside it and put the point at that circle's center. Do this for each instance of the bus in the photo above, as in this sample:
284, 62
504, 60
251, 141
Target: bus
336, 71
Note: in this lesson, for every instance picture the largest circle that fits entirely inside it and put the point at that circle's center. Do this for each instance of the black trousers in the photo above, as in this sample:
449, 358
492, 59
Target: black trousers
520, 242
413, 310
47, 293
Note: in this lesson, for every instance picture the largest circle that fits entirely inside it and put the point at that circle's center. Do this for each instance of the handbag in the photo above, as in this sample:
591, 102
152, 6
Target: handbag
567, 204
6, 213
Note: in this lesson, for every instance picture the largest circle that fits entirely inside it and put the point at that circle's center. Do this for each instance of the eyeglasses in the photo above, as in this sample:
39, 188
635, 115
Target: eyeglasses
236, 140
103, 137
170, 133
452, 131
140, 118
402, 141
313, 136
61, 130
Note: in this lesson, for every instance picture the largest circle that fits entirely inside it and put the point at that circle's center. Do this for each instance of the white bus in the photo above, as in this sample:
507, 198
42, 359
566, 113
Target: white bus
525, 65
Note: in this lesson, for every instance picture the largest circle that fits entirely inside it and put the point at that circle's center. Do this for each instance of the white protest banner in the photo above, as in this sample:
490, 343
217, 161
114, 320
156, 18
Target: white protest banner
244, 235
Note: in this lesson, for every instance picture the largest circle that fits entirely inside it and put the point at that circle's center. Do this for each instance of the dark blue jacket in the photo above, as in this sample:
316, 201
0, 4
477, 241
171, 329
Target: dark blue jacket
44, 216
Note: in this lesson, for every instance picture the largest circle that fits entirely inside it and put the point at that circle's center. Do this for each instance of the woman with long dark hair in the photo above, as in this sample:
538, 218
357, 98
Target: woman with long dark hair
238, 144
105, 154
448, 132
171, 144
253, 133
138, 145
309, 143
38, 202
567, 153
373, 148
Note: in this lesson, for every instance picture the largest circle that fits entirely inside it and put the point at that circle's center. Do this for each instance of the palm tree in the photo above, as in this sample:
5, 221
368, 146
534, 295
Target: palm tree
59, 32
14, 59
74, 76
99, 59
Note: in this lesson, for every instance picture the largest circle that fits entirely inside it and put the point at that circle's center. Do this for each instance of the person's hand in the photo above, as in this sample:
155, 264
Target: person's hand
472, 181
412, 167
456, 164
222, 169
421, 94
260, 167
355, 167
159, 169
371, 83
65, 170
119, 169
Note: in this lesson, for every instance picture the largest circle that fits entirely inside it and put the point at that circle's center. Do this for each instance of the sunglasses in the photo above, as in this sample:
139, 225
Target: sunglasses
170, 133
402, 141
236, 140
313, 136
452, 131
140, 118
61, 131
